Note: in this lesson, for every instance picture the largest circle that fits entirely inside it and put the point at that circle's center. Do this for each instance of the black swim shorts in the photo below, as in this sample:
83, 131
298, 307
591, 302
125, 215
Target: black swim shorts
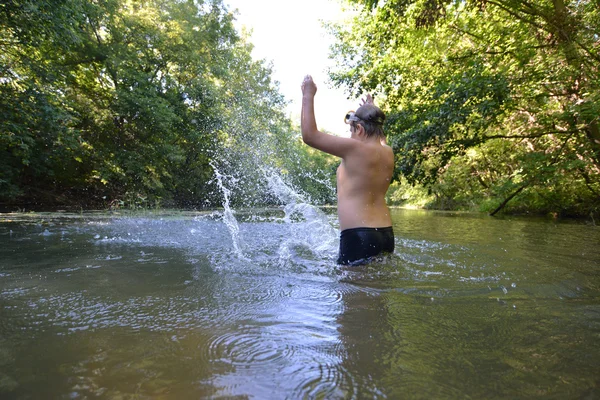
358, 244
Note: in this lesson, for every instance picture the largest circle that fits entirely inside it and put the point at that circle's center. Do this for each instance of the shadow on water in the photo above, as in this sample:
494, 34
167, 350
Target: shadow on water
165, 305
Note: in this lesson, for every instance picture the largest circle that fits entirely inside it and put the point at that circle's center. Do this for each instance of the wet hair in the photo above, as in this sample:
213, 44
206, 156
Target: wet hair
371, 118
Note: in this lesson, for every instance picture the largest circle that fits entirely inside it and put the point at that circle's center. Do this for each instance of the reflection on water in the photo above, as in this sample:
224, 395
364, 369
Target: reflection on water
163, 306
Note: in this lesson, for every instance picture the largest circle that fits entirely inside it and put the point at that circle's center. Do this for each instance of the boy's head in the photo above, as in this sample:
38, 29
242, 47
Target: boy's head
370, 117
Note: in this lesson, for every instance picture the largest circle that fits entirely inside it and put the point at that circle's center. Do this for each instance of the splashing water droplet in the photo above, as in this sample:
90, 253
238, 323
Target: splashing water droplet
228, 217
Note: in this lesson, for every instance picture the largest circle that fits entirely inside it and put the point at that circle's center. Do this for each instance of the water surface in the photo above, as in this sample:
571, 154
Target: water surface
251, 305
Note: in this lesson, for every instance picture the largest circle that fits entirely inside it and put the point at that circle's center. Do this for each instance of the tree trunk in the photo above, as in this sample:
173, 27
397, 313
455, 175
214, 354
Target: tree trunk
509, 198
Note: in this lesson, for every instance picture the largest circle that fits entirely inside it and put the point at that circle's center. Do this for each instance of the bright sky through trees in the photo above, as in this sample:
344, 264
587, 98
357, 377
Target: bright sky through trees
291, 36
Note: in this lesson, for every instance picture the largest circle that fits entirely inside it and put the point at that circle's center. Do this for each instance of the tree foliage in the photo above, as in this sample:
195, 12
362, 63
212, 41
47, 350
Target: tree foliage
486, 99
114, 102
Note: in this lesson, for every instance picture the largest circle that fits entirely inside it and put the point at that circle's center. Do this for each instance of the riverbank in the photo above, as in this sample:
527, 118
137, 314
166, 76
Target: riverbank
35, 209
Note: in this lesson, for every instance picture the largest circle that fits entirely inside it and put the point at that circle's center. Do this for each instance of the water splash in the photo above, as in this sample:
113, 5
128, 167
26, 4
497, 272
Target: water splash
306, 231
228, 217
259, 170
309, 226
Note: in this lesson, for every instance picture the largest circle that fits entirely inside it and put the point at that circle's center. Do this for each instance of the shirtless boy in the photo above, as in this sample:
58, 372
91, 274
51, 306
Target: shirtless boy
363, 177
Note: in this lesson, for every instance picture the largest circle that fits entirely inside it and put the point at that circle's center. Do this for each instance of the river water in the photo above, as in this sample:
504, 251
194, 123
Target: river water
250, 304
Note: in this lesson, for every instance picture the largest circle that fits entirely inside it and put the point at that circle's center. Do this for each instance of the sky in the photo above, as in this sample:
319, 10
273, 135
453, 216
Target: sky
290, 35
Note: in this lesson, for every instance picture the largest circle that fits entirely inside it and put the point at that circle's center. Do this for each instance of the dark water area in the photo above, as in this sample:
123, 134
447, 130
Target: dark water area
250, 304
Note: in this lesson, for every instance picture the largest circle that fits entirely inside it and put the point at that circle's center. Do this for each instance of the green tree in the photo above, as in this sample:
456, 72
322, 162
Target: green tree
124, 101
456, 75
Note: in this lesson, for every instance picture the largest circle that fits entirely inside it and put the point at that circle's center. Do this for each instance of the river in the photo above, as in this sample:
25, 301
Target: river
250, 304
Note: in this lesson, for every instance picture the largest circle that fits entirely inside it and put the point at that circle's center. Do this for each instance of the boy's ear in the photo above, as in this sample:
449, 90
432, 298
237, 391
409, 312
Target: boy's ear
361, 129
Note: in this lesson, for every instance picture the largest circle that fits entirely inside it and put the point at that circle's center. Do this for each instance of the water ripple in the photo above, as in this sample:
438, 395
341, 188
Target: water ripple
248, 347
328, 380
